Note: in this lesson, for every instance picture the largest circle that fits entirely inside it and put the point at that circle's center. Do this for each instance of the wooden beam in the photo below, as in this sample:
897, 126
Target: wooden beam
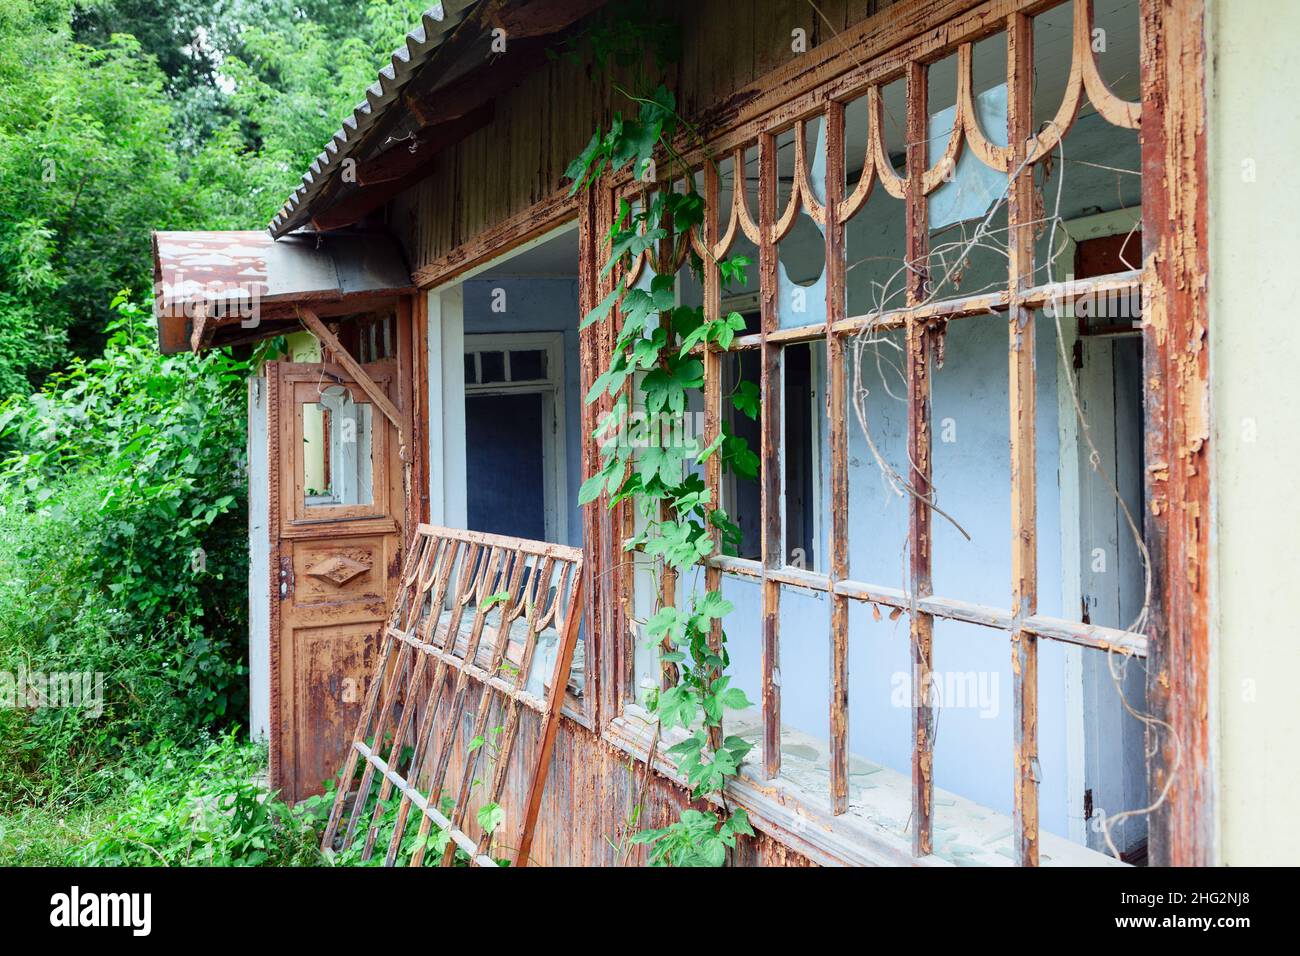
376, 394
494, 242
664, 265
539, 19
713, 372
394, 171
468, 93
407, 159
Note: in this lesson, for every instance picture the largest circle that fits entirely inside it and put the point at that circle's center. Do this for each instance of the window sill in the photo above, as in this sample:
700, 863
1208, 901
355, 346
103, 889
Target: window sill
872, 832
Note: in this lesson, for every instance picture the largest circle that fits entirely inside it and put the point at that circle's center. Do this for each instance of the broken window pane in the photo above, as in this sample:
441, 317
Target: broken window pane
741, 488
527, 365
806, 456
337, 464
492, 367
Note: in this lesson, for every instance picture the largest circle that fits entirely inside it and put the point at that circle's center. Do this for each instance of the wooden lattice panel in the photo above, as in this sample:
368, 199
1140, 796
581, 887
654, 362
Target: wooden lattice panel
470, 614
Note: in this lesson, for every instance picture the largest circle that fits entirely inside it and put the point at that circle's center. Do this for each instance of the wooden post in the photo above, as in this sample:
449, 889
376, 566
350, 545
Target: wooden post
713, 394
838, 439
918, 446
1176, 359
1024, 515
770, 466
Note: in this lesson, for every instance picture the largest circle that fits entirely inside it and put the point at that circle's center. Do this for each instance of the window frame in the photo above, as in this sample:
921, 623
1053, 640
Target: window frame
1172, 60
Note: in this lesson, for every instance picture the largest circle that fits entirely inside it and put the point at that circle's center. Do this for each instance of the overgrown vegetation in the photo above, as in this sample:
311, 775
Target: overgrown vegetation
123, 529
655, 367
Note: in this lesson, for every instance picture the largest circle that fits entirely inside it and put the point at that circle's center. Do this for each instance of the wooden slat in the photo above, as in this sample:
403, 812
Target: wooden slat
359, 374
1024, 515
559, 678
666, 265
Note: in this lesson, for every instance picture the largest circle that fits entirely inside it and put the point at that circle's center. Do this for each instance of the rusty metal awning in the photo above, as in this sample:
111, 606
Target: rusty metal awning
220, 288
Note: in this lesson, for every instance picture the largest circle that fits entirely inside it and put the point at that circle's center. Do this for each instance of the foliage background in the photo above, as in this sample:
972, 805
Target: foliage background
123, 525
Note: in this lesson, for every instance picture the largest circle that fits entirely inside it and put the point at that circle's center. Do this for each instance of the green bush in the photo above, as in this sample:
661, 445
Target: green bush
203, 807
123, 540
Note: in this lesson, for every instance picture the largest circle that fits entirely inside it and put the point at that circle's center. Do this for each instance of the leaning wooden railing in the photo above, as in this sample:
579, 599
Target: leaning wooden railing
471, 609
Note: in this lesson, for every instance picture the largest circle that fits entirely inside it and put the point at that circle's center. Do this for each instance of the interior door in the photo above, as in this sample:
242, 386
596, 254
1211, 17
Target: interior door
335, 560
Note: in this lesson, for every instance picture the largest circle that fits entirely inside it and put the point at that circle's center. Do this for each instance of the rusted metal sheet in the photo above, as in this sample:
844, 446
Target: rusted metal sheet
472, 609
211, 285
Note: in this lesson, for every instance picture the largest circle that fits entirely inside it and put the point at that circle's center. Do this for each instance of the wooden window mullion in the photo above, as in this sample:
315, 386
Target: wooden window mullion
665, 266
597, 587
1024, 555
918, 445
838, 440
770, 385
713, 395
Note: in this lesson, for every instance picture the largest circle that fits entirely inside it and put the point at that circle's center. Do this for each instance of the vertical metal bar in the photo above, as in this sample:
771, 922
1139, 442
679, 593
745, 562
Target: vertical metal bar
918, 445
770, 383
838, 439
1024, 577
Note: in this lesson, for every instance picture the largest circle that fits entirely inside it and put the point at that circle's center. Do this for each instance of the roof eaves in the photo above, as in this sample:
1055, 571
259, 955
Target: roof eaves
435, 24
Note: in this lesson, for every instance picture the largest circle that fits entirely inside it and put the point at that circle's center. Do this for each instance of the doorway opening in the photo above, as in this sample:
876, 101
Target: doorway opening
505, 407
515, 435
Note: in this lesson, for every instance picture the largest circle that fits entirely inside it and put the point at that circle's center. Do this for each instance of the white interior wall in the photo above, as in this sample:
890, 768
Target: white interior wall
1254, 138
446, 364
259, 563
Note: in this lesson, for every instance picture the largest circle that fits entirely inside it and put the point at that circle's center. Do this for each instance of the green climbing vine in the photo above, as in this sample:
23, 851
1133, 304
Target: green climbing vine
656, 355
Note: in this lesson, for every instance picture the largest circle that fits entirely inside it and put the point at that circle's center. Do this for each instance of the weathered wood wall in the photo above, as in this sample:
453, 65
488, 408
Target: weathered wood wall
592, 789
544, 122
499, 172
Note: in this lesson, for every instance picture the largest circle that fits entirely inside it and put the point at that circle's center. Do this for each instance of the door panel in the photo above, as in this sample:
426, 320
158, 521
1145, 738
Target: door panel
337, 546
332, 666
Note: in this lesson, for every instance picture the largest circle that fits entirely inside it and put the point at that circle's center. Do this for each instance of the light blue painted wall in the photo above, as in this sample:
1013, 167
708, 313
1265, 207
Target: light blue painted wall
974, 746
540, 304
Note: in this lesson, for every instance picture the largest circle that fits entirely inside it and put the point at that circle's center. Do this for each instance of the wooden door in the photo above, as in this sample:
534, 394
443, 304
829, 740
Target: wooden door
336, 483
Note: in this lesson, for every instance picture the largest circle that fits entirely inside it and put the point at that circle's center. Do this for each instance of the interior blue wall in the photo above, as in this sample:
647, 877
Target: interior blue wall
540, 304
972, 475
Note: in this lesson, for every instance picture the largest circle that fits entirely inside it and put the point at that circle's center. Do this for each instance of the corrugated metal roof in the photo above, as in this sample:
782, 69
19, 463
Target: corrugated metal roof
436, 23
240, 278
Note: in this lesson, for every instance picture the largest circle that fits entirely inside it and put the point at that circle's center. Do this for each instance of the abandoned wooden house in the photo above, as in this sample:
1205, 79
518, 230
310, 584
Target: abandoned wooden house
979, 605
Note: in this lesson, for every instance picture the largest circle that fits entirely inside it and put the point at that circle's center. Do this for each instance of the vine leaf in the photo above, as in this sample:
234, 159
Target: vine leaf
602, 310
